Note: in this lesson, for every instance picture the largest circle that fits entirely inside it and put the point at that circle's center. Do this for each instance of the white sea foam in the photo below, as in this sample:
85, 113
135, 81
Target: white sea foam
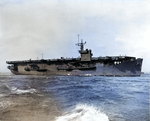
20, 91
84, 113
5, 104
2, 95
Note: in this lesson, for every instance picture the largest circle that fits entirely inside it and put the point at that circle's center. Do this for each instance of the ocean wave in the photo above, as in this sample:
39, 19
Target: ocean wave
5, 104
4, 87
2, 95
84, 112
21, 91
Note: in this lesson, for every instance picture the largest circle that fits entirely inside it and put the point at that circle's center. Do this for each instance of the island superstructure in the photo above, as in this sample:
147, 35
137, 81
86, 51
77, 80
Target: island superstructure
85, 65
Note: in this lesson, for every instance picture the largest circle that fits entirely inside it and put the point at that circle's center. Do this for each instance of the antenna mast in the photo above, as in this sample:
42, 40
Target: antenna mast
78, 38
81, 44
42, 55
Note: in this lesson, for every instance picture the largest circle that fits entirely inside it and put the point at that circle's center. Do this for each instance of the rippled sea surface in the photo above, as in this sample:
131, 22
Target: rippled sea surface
74, 98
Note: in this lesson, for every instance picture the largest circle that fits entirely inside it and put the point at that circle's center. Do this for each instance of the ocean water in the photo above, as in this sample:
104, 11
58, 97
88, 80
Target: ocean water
74, 98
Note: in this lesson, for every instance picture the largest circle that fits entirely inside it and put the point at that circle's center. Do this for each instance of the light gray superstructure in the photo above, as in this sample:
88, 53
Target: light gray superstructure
86, 65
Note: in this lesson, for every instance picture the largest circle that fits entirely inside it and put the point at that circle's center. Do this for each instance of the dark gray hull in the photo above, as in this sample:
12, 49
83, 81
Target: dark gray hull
129, 68
125, 68
86, 65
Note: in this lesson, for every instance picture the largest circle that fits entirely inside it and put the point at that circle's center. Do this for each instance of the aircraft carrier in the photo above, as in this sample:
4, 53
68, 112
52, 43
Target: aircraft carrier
85, 65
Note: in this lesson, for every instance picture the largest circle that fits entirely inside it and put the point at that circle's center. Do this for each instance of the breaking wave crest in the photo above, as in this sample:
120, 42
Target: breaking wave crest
21, 91
84, 113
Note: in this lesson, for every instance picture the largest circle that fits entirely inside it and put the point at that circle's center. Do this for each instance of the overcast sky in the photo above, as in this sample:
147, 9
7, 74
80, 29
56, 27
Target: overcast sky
29, 28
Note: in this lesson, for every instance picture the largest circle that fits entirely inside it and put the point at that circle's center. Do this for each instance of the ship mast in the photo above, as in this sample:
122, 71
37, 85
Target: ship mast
85, 54
81, 44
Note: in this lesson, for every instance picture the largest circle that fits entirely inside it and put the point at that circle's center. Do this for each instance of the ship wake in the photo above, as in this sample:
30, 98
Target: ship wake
84, 112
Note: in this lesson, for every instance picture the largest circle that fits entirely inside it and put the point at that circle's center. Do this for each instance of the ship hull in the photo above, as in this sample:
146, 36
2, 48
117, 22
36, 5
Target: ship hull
85, 65
126, 68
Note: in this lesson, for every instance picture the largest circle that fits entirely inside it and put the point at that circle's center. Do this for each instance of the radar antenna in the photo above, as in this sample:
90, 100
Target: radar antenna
42, 55
81, 44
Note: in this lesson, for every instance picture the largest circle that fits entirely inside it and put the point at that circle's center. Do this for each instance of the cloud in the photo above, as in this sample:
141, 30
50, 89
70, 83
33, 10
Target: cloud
30, 28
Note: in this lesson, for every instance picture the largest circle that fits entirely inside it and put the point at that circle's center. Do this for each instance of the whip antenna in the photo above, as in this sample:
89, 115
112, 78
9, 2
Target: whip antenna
78, 38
